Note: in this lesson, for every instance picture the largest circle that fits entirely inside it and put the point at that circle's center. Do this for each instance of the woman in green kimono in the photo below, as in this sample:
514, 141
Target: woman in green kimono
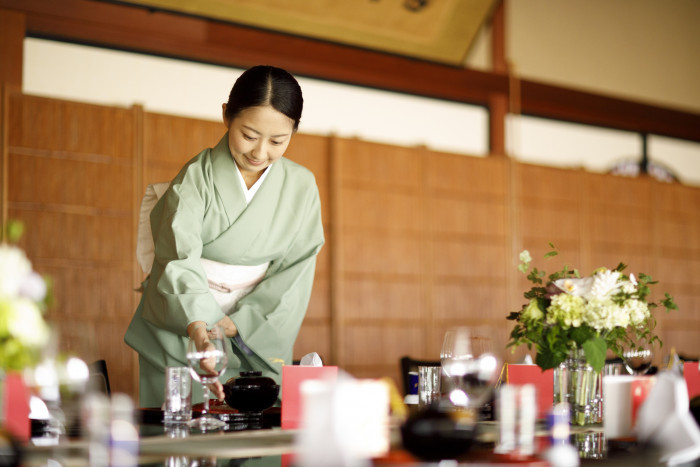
236, 236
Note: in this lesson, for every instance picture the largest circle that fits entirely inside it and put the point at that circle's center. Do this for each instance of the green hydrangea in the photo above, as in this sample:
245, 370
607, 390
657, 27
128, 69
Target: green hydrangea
566, 310
602, 314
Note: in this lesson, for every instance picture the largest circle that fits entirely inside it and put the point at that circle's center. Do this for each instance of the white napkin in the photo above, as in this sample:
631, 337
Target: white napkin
344, 423
311, 359
665, 420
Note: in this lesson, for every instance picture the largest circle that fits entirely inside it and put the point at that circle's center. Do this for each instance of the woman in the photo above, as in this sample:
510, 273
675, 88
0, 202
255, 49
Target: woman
236, 236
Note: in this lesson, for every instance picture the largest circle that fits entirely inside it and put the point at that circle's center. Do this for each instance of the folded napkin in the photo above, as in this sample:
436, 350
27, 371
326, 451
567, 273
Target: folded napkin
311, 359
665, 421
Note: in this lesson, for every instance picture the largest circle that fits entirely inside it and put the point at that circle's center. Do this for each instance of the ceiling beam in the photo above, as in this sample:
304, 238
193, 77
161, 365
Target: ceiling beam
155, 32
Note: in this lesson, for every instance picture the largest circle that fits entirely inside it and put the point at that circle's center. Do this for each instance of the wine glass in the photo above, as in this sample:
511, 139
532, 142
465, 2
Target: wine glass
638, 357
469, 364
456, 351
206, 365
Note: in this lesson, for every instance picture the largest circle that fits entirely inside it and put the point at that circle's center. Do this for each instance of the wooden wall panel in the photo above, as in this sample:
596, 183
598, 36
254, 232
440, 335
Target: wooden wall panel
381, 310
312, 152
369, 299
70, 170
548, 209
467, 232
677, 260
170, 141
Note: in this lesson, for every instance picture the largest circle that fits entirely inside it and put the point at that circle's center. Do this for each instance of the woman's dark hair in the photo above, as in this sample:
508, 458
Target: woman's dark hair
266, 85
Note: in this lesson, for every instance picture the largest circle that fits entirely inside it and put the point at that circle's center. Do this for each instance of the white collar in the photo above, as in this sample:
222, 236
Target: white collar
249, 193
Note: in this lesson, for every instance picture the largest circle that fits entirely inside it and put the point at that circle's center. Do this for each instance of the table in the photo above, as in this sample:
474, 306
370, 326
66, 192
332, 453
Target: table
273, 446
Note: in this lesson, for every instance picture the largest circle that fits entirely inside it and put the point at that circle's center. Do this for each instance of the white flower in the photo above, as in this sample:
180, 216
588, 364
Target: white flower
525, 257
604, 284
578, 287
603, 314
630, 287
14, 269
26, 323
33, 287
637, 310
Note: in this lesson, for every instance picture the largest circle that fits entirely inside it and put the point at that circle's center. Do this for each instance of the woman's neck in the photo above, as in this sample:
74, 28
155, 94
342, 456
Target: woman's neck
251, 177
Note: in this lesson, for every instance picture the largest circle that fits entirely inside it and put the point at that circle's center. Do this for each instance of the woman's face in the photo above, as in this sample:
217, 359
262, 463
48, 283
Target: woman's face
258, 136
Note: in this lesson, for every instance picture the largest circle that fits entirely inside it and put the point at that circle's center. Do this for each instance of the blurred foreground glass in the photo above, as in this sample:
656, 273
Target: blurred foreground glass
470, 368
178, 395
428, 385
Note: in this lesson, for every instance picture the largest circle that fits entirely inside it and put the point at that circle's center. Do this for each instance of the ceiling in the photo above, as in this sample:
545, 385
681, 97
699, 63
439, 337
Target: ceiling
441, 31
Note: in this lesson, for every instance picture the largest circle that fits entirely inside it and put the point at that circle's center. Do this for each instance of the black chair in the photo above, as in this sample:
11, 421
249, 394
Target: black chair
99, 378
409, 365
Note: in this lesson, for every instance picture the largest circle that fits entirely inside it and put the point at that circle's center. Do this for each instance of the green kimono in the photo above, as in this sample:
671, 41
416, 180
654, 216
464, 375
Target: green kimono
204, 214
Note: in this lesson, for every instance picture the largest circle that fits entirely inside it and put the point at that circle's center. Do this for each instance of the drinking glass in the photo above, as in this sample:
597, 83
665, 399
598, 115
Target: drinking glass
206, 365
428, 385
469, 365
638, 357
178, 395
456, 351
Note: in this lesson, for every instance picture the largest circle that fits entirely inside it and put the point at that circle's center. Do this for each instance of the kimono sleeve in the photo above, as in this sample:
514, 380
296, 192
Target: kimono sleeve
178, 287
269, 318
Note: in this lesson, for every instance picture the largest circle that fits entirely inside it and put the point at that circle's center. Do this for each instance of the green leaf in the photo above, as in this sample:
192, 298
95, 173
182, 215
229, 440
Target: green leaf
669, 303
14, 230
545, 360
595, 350
514, 315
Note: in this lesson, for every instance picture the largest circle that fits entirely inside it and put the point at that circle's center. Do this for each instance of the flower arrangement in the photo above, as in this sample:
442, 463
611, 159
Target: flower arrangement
24, 297
606, 310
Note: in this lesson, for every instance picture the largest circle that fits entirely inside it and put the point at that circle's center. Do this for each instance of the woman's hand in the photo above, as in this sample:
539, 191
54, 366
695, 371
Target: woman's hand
197, 330
230, 329
208, 364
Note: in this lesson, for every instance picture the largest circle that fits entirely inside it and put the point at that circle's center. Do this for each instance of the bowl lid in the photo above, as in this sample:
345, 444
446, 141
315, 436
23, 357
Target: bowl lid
251, 378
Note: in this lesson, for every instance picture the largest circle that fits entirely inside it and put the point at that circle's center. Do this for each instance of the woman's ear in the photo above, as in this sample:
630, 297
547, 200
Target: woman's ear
223, 115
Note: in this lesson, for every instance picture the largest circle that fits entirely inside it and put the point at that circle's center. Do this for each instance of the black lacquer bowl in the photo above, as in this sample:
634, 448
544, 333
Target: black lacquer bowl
436, 433
251, 392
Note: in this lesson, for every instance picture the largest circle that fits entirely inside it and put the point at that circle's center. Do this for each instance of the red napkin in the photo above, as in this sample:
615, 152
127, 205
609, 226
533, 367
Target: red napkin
692, 378
543, 381
15, 406
292, 377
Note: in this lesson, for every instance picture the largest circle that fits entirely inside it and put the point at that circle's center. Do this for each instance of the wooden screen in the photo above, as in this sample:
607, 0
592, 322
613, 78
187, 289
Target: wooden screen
416, 240
70, 180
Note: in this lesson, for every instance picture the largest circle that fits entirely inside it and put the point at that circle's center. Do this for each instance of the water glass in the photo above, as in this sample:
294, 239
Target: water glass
428, 385
178, 395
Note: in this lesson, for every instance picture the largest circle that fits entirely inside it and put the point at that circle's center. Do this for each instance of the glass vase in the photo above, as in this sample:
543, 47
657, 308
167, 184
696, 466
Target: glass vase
580, 386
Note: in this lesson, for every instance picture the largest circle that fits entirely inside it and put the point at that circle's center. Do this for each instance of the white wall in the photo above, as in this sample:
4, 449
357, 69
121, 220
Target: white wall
110, 77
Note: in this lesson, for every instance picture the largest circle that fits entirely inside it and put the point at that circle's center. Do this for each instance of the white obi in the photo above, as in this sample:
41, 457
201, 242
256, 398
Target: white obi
228, 283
